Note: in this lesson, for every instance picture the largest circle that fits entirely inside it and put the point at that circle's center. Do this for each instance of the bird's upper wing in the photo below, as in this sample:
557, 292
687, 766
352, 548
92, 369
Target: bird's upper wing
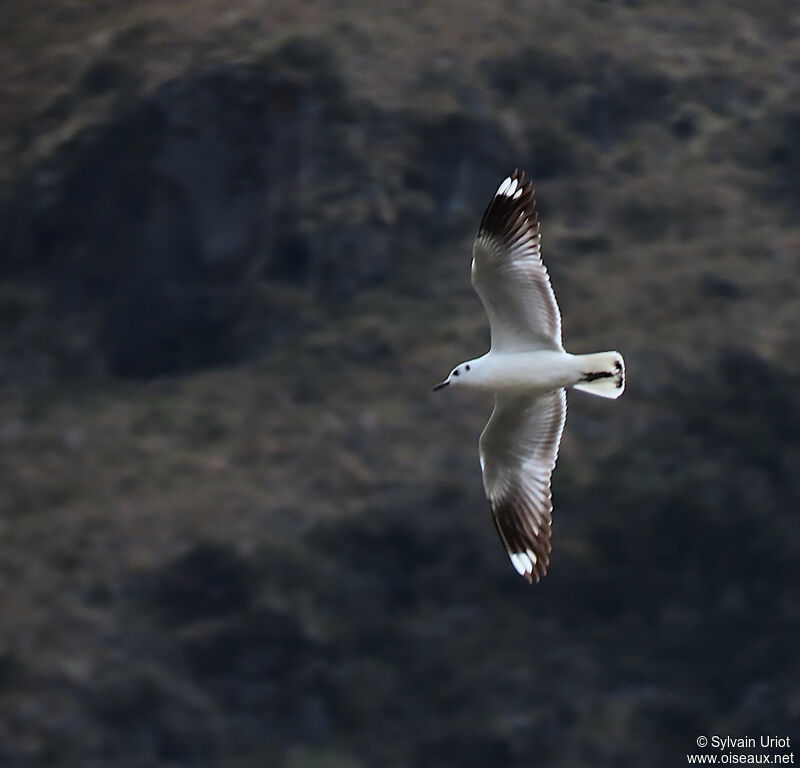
508, 273
518, 451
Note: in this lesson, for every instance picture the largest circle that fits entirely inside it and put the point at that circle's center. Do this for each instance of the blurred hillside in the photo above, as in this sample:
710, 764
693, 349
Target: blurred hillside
235, 527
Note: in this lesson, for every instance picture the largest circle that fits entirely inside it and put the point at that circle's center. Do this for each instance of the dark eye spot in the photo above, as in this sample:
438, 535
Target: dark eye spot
467, 367
456, 372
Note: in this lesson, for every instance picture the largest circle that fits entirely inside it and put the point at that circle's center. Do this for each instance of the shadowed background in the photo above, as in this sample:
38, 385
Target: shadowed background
235, 526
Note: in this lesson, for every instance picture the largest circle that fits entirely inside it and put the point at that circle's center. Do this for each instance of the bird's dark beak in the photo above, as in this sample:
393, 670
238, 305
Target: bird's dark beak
440, 385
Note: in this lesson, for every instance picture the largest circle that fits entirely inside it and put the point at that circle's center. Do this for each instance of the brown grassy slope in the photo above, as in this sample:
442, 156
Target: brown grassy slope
730, 70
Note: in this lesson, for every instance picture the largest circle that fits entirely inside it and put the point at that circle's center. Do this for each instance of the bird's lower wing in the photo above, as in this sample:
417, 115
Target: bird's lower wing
518, 451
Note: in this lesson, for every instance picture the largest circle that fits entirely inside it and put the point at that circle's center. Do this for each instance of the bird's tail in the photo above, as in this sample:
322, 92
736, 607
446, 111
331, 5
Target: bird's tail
603, 374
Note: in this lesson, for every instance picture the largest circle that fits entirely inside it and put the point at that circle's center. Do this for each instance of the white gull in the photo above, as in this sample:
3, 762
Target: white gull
528, 371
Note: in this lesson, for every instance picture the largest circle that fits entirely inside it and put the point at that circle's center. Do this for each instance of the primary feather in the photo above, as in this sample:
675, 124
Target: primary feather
508, 273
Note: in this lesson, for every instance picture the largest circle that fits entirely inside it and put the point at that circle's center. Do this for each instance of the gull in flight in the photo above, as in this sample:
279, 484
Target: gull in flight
528, 371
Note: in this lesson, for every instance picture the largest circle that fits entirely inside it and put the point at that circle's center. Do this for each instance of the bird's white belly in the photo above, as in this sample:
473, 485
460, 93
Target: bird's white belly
529, 372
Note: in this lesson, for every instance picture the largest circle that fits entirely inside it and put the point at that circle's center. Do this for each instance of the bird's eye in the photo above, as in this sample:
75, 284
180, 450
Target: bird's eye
456, 372
467, 367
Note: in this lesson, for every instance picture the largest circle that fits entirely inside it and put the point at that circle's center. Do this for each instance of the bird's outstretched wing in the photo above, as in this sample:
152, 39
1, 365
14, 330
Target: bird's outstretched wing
508, 273
518, 450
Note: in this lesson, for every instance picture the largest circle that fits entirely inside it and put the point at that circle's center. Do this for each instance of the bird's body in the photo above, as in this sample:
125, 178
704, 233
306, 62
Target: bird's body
533, 372
528, 371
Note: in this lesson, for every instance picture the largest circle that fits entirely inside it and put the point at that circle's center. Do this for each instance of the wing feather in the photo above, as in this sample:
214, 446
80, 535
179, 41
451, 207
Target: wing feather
508, 273
518, 450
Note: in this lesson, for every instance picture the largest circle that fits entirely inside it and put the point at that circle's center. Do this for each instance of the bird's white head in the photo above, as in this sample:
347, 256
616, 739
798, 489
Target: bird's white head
461, 374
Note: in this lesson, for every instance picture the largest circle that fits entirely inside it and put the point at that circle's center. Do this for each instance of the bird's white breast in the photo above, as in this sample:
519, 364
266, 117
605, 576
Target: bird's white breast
527, 372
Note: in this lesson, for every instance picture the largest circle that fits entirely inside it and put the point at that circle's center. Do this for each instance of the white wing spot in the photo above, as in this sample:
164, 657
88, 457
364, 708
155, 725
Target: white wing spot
517, 193
531, 556
518, 560
503, 188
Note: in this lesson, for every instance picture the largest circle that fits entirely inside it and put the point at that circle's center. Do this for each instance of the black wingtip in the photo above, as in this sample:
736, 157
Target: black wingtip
511, 211
513, 523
